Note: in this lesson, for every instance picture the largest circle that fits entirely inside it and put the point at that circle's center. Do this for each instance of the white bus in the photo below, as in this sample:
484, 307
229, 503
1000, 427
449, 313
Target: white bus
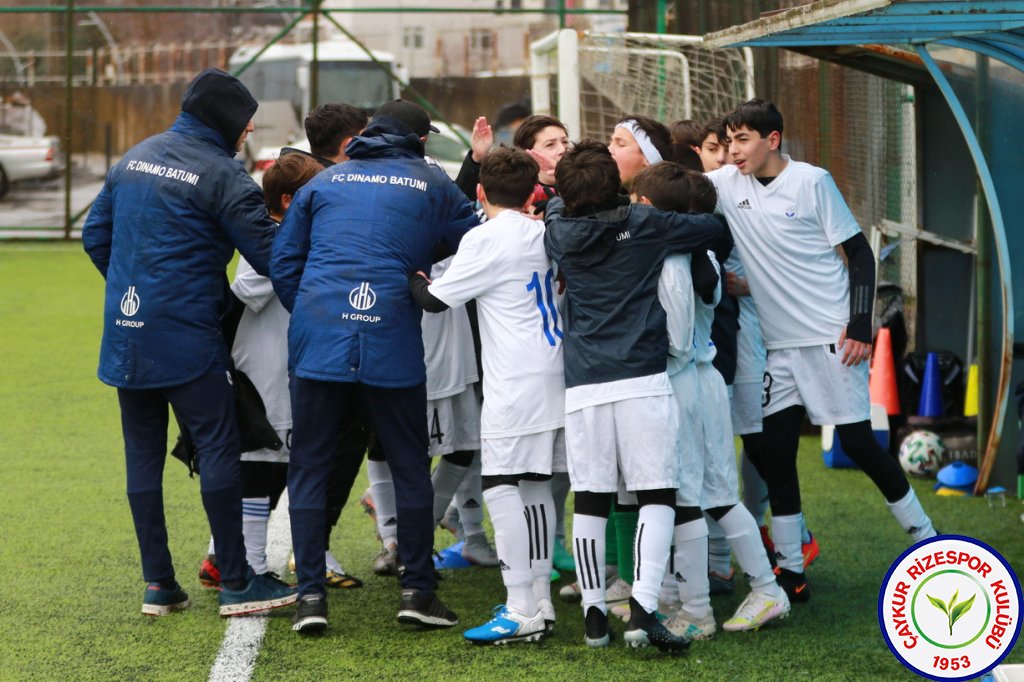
346, 74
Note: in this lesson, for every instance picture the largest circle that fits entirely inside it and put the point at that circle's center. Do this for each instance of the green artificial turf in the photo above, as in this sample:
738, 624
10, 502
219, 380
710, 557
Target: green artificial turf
71, 586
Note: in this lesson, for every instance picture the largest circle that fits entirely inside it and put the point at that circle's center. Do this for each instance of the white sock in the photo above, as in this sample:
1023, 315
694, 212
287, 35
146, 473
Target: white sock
446, 480
560, 487
719, 552
469, 500
691, 567
332, 563
512, 542
743, 535
255, 517
912, 517
382, 489
805, 535
540, 516
755, 490
786, 532
651, 548
589, 542
211, 550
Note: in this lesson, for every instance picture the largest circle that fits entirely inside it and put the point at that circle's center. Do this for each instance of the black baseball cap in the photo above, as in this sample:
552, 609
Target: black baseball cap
412, 115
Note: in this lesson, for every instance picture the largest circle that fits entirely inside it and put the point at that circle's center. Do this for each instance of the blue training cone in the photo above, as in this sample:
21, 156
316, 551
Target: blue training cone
451, 557
931, 389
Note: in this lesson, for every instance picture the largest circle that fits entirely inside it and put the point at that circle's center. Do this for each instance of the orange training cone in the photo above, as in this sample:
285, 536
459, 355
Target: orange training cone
882, 384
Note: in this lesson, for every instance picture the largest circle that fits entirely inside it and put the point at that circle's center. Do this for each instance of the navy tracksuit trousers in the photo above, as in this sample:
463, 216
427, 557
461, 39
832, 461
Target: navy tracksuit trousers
207, 408
320, 411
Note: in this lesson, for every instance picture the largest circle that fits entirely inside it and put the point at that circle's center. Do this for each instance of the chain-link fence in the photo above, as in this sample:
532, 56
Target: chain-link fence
82, 83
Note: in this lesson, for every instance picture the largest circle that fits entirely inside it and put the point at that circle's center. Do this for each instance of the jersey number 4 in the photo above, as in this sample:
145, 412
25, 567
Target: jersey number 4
435, 429
546, 306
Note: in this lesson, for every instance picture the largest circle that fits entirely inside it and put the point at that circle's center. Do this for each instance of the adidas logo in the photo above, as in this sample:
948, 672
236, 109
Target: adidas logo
680, 578
912, 530
471, 504
745, 204
391, 522
502, 565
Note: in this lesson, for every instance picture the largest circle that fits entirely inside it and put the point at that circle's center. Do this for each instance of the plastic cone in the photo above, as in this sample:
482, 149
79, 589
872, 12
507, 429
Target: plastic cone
882, 384
931, 389
971, 399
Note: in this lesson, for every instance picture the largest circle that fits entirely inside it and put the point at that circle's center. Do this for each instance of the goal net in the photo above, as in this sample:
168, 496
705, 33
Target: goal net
596, 78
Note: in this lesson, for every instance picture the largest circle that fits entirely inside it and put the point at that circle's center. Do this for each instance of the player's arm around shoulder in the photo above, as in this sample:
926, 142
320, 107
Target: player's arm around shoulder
458, 218
471, 273
243, 216
689, 232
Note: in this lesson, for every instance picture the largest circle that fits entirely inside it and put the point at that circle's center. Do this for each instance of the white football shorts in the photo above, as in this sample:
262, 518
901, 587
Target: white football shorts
636, 437
534, 453
721, 486
816, 378
453, 423
746, 407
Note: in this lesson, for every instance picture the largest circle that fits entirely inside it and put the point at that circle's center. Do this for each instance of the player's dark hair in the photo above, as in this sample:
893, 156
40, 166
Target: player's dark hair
759, 115
588, 178
703, 195
286, 176
526, 133
658, 132
716, 128
686, 132
685, 136
508, 177
329, 124
665, 184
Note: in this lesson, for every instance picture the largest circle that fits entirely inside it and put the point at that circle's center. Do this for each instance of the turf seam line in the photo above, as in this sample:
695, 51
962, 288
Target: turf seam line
243, 637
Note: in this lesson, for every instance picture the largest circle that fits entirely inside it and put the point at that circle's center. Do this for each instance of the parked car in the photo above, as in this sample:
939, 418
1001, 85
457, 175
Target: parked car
445, 147
28, 158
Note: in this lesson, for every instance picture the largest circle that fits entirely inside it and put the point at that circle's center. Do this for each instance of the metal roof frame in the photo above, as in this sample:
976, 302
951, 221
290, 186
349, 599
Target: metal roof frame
994, 29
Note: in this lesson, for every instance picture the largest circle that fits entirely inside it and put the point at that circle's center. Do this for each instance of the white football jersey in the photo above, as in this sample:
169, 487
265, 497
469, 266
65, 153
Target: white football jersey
261, 343
750, 352
448, 347
503, 265
786, 234
675, 293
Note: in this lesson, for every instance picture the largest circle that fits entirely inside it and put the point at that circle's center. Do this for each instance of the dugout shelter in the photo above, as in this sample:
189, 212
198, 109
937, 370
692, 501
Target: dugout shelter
966, 63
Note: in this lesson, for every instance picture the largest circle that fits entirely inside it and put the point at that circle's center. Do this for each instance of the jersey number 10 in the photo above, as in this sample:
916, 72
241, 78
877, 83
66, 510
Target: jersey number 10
546, 306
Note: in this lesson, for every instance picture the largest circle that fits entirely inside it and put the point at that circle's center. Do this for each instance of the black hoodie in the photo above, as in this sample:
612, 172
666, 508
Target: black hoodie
220, 101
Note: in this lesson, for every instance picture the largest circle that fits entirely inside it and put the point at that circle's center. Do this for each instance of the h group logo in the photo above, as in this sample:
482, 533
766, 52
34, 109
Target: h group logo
949, 608
362, 297
130, 302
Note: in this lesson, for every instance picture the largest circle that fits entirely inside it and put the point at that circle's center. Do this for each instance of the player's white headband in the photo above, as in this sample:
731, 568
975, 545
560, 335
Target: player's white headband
646, 146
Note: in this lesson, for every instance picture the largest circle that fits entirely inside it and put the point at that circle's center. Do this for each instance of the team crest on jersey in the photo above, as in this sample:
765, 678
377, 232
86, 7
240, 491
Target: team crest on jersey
790, 211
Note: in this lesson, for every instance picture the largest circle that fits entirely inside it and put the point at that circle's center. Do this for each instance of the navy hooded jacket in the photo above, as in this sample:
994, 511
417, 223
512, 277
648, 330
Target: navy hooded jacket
341, 263
611, 261
162, 232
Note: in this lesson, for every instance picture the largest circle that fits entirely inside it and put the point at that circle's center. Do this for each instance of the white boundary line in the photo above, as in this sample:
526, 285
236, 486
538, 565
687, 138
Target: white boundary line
240, 647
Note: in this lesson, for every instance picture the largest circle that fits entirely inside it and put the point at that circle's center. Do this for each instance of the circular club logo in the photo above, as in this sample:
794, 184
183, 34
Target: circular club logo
949, 608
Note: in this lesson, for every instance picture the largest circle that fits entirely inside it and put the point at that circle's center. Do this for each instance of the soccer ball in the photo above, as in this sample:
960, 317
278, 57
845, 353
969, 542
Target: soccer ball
921, 453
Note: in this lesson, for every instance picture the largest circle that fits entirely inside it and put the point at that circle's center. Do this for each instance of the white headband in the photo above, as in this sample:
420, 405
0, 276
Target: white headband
643, 139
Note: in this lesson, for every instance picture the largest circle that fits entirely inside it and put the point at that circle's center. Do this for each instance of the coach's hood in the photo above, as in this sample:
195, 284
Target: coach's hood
221, 102
385, 138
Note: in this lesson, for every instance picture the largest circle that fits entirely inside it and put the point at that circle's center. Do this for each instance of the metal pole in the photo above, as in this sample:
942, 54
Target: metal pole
983, 270
561, 13
659, 20
314, 67
69, 28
